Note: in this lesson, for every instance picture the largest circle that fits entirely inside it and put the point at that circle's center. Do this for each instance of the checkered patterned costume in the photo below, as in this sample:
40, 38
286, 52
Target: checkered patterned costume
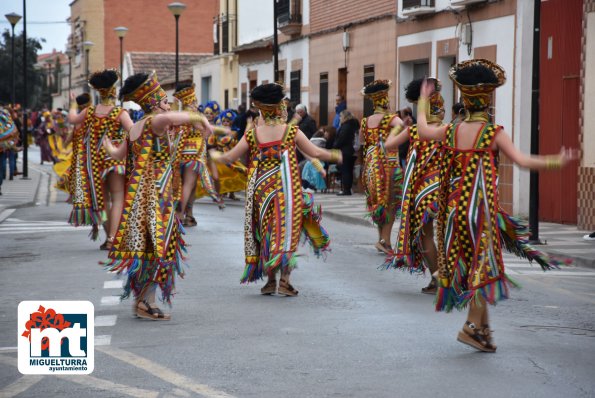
382, 175
472, 228
192, 156
148, 245
89, 165
419, 206
277, 211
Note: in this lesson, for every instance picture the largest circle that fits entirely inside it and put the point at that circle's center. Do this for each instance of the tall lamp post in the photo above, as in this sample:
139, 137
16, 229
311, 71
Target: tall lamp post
25, 127
13, 18
177, 9
275, 44
87, 47
69, 54
49, 70
121, 32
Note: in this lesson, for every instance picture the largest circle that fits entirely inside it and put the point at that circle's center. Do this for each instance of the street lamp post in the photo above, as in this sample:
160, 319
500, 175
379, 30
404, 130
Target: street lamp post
13, 18
121, 32
275, 44
69, 54
49, 62
87, 47
177, 9
25, 127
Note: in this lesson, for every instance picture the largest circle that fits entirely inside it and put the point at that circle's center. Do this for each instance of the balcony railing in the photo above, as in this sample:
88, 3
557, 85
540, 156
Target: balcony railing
417, 3
289, 16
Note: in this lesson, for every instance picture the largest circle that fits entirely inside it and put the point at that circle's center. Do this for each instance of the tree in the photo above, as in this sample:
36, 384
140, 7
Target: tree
34, 77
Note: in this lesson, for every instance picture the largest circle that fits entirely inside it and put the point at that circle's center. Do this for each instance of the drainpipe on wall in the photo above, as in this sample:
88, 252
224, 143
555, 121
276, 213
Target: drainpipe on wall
534, 176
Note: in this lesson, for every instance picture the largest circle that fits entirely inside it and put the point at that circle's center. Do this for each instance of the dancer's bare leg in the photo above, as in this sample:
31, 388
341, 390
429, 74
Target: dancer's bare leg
116, 183
429, 247
188, 186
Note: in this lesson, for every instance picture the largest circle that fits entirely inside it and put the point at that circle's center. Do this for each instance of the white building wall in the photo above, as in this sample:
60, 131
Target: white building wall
297, 50
255, 20
265, 71
208, 68
523, 77
499, 32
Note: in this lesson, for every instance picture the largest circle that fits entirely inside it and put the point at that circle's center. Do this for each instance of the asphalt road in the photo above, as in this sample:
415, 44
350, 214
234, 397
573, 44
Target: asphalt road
353, 331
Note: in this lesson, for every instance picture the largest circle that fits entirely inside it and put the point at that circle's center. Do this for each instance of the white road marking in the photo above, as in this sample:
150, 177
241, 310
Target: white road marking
21, 385
9, 348
103, 339
6, 213
106, 385
118, 284
164, 373
110, 300
105, 320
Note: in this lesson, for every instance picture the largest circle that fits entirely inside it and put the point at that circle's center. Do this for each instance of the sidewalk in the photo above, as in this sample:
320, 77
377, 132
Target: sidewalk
562, 240
24, 193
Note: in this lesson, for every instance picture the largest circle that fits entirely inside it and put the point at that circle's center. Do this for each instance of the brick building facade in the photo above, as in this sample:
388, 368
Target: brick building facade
151, 28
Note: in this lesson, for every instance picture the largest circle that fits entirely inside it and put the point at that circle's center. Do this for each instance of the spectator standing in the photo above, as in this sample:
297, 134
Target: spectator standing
240, 122
344, 141
340, 106
306, 124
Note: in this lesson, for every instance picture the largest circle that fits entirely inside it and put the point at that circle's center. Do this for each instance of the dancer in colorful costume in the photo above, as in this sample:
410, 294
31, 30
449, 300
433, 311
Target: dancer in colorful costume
471, 226
415, 249
382, 174
277, 211
8, 140
64, 169
192, 156
232, 178
228, 178
99, 178
148, 245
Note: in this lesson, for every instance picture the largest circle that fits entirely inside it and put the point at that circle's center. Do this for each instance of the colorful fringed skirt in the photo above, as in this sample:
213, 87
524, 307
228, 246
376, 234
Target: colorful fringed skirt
278, 213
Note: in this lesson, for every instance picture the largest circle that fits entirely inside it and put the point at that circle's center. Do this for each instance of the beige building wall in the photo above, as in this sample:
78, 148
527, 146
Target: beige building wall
90, 15
327, 56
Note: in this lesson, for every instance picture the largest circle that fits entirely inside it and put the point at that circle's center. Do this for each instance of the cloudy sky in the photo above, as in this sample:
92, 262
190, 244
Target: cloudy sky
45, 19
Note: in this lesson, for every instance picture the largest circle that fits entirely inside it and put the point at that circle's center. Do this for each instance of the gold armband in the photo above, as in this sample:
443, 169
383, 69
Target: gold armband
73, 106
317, 165
195, 117
423, 106
335, 155
397, 129
553, 163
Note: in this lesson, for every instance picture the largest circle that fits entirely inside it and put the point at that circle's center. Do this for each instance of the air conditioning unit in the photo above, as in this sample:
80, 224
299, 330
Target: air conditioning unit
456, 3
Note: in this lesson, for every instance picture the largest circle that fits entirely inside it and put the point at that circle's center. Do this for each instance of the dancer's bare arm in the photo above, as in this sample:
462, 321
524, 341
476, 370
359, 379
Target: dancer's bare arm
426, 131
505, 144
162, 121
234, 154
308, 148
73, 116
395, 140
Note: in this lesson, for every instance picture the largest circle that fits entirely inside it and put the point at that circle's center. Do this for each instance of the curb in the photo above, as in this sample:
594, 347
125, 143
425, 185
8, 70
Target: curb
578, 260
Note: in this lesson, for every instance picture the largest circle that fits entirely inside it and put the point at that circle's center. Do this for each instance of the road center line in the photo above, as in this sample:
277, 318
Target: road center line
163, 373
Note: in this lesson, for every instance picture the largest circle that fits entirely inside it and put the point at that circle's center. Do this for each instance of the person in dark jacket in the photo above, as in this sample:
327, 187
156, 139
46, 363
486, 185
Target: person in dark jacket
344, 141
306, 124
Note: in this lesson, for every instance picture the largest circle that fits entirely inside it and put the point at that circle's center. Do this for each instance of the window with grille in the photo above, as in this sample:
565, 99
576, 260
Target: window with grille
295, 84
323, 106
368, 78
